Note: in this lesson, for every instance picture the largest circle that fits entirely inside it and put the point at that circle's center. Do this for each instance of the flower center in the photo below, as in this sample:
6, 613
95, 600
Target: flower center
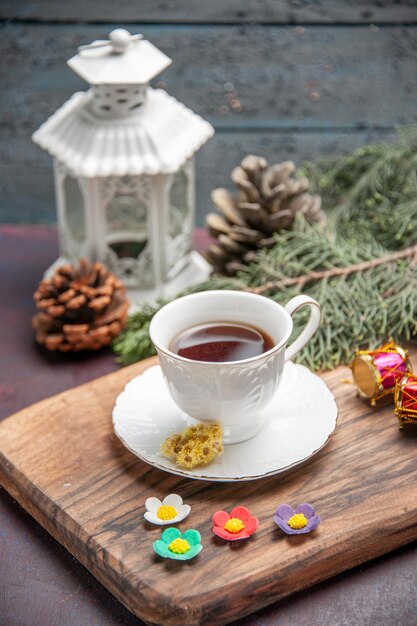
179, 546
166, 512
234, 525
297, 521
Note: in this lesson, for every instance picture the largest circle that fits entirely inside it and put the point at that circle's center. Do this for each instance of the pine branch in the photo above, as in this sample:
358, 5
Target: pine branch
359, 308
371, 194
300, 281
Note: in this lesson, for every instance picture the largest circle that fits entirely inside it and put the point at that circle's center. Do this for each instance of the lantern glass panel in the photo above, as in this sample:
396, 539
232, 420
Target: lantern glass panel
127, 225
74, 209
126, 212
179, 204
128, 249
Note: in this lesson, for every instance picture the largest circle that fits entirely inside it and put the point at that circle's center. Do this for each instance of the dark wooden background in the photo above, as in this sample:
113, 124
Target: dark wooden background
307, 78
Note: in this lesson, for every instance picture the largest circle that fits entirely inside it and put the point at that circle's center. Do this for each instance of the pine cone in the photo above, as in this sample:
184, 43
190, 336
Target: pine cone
80, 308
268, 201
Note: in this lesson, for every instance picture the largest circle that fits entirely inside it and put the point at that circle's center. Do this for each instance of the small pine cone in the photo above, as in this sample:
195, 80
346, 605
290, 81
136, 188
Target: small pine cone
79, 308
268, 201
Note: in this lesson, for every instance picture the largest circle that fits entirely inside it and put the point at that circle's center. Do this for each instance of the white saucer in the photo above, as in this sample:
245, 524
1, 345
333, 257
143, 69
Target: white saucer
297, 424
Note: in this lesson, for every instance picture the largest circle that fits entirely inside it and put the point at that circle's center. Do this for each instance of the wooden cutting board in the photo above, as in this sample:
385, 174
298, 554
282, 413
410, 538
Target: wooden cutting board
62, 462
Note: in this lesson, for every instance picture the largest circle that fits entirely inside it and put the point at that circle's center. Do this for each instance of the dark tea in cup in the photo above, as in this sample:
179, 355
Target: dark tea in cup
221, 342
213, 325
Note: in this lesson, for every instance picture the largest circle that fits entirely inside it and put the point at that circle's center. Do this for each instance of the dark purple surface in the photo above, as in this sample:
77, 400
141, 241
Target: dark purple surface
41, 584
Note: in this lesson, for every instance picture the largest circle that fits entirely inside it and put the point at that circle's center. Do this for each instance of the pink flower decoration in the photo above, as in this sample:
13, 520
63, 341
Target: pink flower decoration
240, 524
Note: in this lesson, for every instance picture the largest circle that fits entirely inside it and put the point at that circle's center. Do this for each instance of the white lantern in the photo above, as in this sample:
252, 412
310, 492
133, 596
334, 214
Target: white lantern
124, 171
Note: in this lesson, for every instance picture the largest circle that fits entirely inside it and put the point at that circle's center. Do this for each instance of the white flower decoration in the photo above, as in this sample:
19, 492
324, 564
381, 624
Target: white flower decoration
170, 511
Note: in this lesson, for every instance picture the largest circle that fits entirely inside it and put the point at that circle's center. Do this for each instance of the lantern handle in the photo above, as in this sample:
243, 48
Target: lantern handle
119, 40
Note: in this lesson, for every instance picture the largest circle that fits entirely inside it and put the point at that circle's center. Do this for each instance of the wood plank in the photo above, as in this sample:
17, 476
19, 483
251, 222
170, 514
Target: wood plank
216, 11
26, 180
323, 78
91, 498
364, 79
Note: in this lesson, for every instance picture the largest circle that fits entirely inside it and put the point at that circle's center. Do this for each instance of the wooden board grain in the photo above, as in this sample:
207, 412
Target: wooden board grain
215, 11
61, 461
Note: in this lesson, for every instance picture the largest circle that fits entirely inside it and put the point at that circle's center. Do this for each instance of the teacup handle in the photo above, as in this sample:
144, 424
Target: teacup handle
312, 325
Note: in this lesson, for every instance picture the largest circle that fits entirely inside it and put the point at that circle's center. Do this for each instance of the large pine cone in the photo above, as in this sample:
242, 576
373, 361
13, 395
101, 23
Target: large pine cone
80, 308
268, 201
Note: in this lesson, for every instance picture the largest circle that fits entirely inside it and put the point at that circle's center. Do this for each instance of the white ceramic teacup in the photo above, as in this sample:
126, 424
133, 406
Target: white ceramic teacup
232, 393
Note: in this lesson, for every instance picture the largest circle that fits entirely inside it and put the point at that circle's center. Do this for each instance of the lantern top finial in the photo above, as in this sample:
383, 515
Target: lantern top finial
122, 59
119, 39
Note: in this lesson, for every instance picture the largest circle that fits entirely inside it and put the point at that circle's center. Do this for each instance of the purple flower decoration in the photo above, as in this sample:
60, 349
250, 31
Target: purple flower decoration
302, 520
